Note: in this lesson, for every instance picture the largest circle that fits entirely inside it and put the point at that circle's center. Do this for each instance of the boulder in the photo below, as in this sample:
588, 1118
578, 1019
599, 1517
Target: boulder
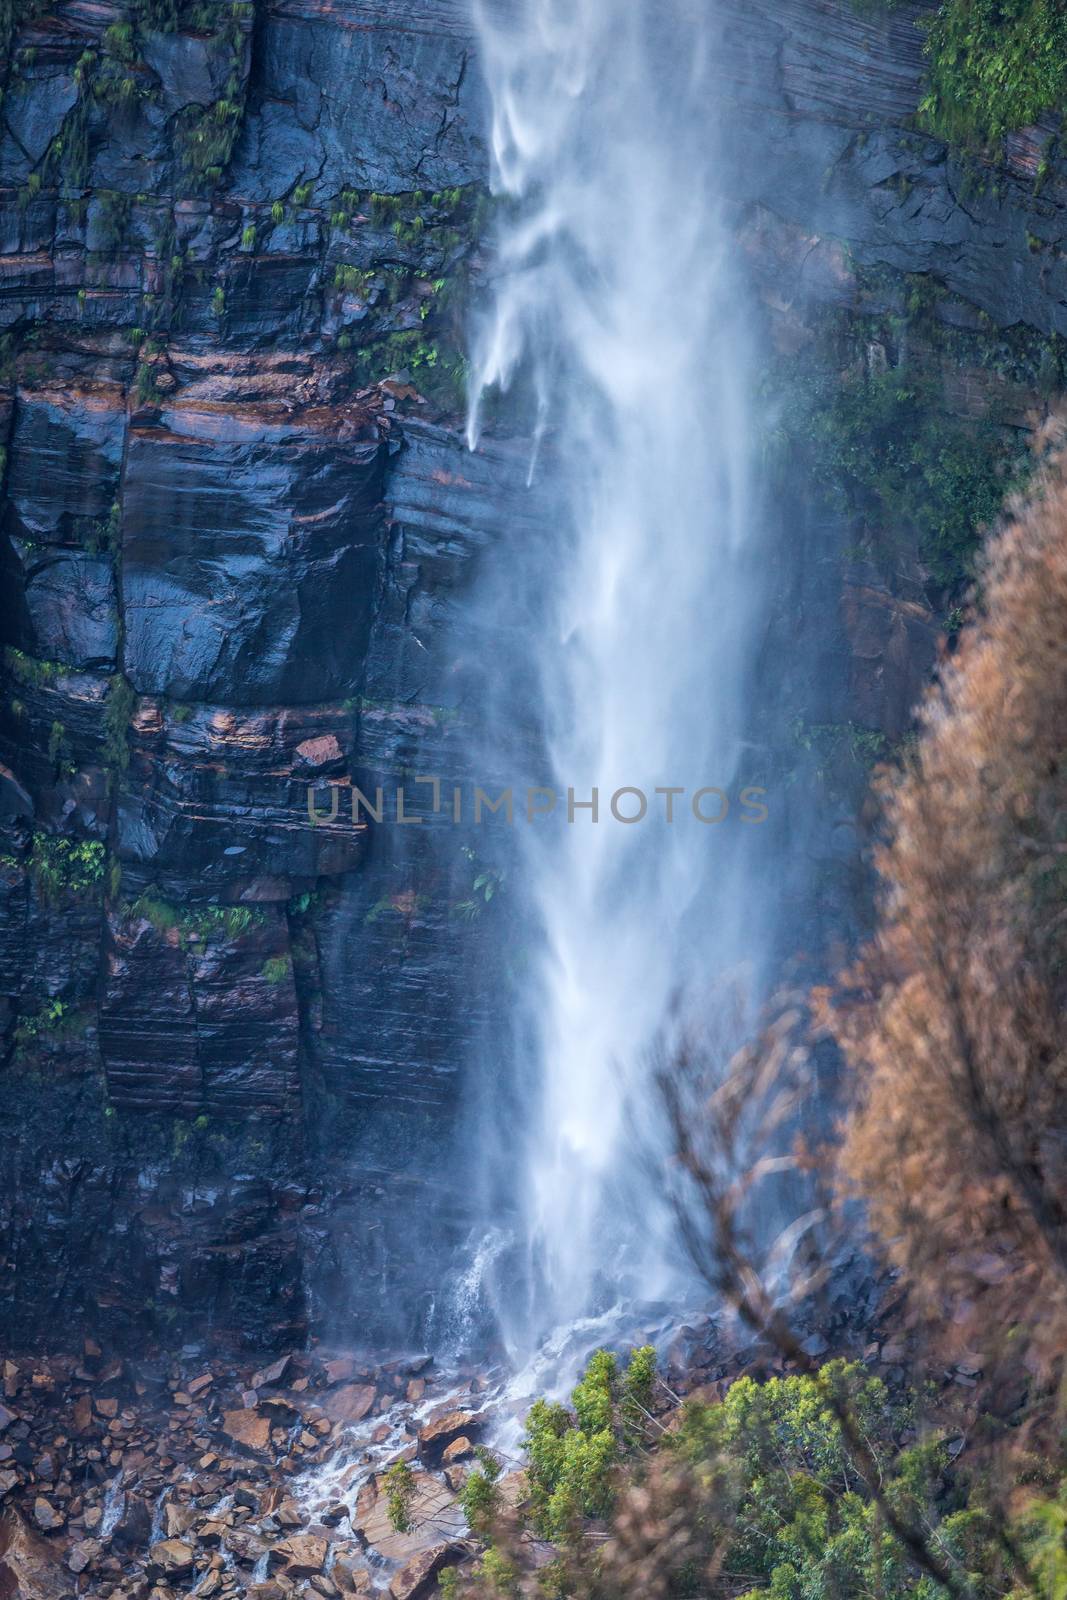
275, 1374
171, 1558
417, 1578
431, 1509
83, 1554
47, 1518
30, 1568
443, 1430
247, 1428
460, 1449
351, 1402
301, 1555
134, 1526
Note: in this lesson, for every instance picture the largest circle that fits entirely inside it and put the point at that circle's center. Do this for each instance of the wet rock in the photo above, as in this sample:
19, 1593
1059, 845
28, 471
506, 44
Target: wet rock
177, 1519
430, 1509
247, 1428
417, 1578
443, 1430
460, 1449
171, 1558
83, 1554
274, 1375
47, 1518
301, 1555
135, 1521
30, 1567
351, 1402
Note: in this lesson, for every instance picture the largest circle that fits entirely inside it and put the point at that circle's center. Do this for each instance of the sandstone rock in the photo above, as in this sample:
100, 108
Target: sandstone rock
339, 1370
134, 1525
417, 1578
6, 1418
351, 1402
83, 1554
244, 1544
460, 1449
443, 1430
8, 1481
177, 1519
431, 1507
275, 1374
46, 1516
30, 1567
288, 1514
301, 1555
171, 1558
247, 1428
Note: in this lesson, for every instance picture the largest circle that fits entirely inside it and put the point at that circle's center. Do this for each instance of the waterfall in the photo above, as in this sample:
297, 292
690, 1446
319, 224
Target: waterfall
615, 305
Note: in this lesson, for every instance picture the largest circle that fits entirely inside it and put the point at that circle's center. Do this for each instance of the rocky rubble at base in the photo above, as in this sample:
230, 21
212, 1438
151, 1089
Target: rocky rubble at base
149, 1480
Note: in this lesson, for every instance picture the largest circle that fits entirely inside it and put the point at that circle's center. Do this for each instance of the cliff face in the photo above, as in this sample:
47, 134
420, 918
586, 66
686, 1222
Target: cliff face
238, 528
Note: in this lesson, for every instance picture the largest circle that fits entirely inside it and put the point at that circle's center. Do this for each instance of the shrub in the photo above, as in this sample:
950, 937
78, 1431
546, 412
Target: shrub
953, 1027
994, 65
66, 866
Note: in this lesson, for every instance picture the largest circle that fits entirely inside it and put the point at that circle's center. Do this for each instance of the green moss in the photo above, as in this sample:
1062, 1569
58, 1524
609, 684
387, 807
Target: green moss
277, 968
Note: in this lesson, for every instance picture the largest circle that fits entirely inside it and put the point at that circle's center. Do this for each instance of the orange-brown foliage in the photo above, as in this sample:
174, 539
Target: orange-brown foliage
955, 1026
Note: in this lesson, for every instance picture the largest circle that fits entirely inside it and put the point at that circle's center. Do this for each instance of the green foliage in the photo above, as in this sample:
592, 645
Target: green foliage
30, 671
480, 1496
114, 218
789, 1507
573, 1459
400, 1493
353, 280
203, 922
277, 968
66, 866
497, 1576
52, 1018
118, 710
879, 442
995, 65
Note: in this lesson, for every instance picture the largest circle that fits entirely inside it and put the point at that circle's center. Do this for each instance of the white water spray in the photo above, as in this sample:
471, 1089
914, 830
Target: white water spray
614, 294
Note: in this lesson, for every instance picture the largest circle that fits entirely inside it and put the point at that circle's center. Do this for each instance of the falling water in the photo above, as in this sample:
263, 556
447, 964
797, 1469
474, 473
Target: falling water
615, 303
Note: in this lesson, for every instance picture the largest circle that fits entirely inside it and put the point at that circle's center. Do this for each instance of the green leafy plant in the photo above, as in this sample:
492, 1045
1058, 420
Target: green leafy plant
400, 1495
61, 866
995, 65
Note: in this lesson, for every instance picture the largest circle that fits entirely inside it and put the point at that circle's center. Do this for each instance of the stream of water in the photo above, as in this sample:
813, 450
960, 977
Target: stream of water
616, 304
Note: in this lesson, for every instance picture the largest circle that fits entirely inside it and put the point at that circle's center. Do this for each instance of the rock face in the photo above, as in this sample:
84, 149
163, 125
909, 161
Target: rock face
240, 530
